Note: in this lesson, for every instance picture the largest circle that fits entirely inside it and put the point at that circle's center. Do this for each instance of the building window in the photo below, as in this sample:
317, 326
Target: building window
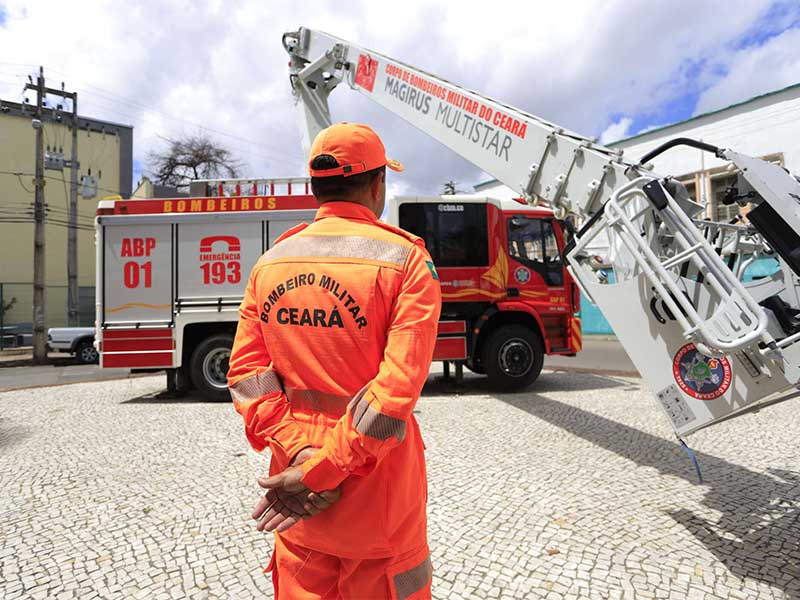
715, 183
691, 187
722, 213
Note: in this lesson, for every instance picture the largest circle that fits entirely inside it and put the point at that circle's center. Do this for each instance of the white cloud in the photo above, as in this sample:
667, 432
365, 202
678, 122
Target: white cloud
617, 130
221, 65
755, 70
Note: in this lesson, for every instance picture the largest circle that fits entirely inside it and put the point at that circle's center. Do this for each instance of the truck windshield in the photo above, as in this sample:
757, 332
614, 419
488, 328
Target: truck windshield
455, 234
533, 243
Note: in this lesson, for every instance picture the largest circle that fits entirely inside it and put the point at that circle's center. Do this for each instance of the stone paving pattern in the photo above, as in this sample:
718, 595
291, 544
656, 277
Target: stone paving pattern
573, 489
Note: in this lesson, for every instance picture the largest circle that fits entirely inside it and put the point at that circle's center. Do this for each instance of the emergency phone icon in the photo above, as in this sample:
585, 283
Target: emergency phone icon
231, 240
221, 263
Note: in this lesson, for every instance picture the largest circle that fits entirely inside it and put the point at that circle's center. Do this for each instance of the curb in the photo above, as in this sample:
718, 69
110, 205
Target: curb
587, 370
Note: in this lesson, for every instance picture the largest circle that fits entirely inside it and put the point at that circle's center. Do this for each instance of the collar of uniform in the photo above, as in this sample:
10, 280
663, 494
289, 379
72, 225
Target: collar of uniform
346, 210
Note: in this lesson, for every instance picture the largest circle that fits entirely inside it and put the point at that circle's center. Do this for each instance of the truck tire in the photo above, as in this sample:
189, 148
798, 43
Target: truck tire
85, 352
475, 368
208, 367
513, 357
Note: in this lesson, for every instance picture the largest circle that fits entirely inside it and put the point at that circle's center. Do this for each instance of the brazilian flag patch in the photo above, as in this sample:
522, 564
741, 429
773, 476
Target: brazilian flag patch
434, 274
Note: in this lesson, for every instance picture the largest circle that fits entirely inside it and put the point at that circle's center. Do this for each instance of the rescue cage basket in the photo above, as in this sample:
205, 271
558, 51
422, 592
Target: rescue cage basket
639, 217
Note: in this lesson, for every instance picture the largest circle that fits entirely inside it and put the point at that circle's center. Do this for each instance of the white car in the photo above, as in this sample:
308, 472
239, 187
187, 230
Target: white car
74, 340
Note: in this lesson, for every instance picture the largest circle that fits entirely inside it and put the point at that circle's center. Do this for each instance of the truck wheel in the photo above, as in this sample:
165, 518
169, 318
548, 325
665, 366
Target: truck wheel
86, 353
209, 366
475, 368
513, 357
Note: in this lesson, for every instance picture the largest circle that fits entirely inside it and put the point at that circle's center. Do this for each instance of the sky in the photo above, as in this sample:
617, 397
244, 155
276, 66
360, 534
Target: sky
606, 69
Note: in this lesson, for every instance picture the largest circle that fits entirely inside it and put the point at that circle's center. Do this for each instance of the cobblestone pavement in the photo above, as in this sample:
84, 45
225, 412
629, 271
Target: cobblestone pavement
574, 489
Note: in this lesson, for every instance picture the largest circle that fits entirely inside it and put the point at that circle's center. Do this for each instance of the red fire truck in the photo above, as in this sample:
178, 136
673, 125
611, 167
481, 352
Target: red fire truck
171, 274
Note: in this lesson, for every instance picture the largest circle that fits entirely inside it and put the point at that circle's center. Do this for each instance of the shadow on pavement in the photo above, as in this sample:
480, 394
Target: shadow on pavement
476, 385
52, 361
757, 535
164, 397
11, 435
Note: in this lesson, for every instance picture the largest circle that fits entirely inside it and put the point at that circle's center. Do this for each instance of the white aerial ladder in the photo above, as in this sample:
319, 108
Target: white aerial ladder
708, 344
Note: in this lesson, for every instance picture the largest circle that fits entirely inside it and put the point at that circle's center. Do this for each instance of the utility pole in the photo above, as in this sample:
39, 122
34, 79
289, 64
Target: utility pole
39, 292
55, 161
72, 232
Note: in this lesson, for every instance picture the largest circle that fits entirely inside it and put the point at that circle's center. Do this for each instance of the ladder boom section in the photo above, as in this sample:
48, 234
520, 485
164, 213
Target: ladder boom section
709, 344
539, 160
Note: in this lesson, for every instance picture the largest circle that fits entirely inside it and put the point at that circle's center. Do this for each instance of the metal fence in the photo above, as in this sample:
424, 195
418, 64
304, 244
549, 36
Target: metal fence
16, 310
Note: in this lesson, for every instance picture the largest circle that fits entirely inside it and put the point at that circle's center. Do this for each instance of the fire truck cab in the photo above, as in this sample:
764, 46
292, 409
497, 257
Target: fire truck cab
507, 298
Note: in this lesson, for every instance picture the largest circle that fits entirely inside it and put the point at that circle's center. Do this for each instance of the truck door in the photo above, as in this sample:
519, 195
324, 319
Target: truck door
537, 273
214, 259
137, 274
533, 246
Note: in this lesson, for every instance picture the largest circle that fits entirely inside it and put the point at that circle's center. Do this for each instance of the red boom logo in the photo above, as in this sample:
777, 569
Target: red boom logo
366, 72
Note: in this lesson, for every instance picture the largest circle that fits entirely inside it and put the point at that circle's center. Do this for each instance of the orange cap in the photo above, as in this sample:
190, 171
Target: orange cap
357, 148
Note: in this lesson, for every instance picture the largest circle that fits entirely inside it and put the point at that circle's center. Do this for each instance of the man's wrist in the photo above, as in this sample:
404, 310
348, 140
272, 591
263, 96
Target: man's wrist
302, 455
320, 473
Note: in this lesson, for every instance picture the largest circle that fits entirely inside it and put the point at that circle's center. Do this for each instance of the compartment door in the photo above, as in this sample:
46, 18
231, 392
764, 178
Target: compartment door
215, 259
137, 274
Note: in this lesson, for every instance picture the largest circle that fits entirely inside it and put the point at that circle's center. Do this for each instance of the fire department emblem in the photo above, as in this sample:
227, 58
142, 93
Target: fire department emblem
522, 275
366, 72
700, 376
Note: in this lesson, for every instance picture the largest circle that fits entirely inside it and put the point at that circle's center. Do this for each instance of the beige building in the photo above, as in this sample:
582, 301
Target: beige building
105, 156
147, 189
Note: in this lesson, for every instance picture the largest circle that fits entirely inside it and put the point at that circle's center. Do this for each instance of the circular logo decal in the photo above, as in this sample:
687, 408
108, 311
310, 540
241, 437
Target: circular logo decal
700, 376
522, 275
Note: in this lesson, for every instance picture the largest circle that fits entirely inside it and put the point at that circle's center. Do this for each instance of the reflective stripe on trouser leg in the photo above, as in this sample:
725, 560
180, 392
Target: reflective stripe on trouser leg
413, 580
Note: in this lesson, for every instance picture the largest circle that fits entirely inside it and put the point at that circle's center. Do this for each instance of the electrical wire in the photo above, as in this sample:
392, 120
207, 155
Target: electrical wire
112, 100
147, 117
14, 207
115, 98
109, 95
22, 185
18, 174
53, 222
66, 193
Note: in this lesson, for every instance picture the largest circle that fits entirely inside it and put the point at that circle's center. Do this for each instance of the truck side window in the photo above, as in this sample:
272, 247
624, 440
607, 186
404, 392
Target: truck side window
533, 242
455, 234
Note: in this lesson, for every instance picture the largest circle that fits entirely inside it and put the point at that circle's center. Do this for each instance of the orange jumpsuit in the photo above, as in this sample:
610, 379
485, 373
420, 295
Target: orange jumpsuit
334, 343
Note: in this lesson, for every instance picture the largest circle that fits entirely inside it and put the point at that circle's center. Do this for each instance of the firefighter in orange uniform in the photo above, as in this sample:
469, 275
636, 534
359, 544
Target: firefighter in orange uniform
334, 343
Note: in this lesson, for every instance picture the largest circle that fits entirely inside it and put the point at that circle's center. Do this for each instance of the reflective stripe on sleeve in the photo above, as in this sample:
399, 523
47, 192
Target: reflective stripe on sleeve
339, 246
413, 580
368, 421
314, 401
255, 386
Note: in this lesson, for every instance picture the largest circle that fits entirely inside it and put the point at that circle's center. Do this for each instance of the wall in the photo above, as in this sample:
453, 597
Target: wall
764, 125
102, 153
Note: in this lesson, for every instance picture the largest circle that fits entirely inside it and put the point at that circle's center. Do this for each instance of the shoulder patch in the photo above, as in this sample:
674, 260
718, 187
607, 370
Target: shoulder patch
432, 269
